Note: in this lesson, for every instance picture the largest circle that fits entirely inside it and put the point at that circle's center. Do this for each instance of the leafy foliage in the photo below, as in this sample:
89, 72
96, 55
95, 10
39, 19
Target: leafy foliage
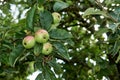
59, 6
86, 40
46, 19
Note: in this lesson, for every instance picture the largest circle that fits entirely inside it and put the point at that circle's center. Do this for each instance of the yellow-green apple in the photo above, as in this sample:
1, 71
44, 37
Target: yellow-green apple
47, 48
41, 36
56, 17
28, 42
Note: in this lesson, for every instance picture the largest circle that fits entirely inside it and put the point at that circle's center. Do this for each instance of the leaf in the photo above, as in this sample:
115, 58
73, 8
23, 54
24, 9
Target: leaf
115, 14
46, 19
37, 49
60, 5
15, 54
56, 66
41, 1
70, 42
48, 74
92, 11
113, 26
101, 31
62, 51
116, 48
60, 34
117, 10
115, 1
38, 65
40, 77
4, 58
30, 17
108, 2
118, 58
92, 1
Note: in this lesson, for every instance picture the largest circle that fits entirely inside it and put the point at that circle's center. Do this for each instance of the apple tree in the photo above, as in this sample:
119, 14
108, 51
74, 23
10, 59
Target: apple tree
63, 39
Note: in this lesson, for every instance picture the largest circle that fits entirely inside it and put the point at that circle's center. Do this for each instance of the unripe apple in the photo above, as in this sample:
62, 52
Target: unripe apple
31, 66
41, 36
89, 72
97, 68
56, 17
47, 48
28, 42
41, 8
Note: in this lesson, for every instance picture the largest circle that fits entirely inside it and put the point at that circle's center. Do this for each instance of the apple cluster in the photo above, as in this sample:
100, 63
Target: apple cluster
41, 36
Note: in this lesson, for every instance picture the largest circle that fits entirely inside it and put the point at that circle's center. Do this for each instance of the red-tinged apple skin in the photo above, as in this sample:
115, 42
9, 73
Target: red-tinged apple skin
41, 36
28, 42
47, 48
56, 17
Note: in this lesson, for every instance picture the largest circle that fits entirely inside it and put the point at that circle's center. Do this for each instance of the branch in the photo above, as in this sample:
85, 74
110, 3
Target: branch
102, 7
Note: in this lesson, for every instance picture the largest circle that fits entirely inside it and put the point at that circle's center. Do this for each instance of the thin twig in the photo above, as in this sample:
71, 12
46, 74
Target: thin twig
102, 7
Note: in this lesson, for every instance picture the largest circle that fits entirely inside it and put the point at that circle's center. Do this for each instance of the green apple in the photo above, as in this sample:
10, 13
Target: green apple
40, 8
31, 66
89, 72
97, 68
47, 48
56, 17
28, 42
41, 36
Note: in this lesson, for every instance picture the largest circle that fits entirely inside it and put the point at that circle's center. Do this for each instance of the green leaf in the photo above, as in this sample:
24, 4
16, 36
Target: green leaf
108, 2
113, 26
101, 31
118, 58
117, 10
15, 54
46, 19
4, 58
38, 66
37, 49
62, 51
115, 1
56, 66
60, 5
41, 1
70, 42
92, 1
60, 34
48, 74
40, 77
92, 11
116, 47
30, 17
115, 14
